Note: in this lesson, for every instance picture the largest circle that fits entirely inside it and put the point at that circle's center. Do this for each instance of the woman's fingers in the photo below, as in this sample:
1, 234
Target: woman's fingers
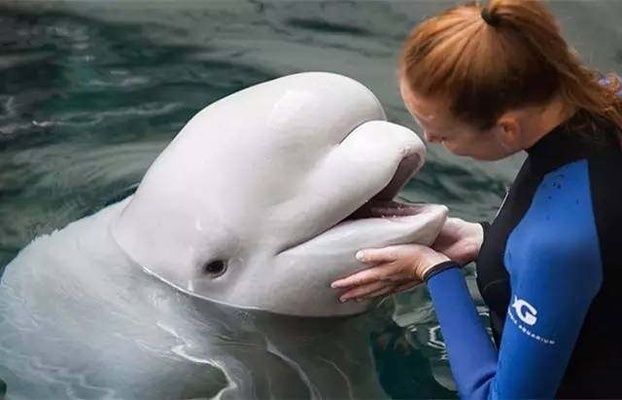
370, 275
396, 269
386, 289
364, 290
386, 254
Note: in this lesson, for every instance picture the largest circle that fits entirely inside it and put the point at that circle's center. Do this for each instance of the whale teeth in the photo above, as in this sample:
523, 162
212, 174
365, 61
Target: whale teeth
375, 208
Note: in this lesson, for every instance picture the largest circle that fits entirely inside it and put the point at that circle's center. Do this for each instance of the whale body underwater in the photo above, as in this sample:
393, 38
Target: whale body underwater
259, 202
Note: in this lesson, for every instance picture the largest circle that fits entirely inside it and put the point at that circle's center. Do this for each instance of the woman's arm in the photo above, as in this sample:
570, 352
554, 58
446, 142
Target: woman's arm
554, 280
550, 299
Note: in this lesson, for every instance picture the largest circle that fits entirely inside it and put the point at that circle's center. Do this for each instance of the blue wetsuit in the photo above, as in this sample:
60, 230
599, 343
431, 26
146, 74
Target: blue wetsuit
550, 272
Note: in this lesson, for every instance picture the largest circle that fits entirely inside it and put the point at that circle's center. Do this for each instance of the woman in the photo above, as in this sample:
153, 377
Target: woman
487, 83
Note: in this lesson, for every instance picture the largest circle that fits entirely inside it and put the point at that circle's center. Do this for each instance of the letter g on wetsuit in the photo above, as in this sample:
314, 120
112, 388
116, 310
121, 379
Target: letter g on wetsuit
550, 272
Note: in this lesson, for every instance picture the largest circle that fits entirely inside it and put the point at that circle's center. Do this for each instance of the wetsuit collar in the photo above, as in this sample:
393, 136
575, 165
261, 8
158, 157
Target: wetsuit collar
580, 136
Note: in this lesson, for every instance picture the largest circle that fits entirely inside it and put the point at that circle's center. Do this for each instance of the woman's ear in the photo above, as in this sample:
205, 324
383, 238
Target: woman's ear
508, 132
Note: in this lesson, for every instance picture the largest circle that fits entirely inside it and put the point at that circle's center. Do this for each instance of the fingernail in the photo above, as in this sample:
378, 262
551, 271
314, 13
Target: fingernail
360, 255
343, 299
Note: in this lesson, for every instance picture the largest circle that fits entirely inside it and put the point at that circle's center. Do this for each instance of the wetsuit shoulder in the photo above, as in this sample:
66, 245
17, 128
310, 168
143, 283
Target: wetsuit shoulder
559, 228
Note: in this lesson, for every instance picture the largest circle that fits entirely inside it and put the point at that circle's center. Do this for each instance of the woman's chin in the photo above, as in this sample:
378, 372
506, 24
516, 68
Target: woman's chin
456, 150
476, 154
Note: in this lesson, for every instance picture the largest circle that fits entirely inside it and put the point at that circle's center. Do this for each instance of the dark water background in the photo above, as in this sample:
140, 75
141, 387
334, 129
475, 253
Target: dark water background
91, 92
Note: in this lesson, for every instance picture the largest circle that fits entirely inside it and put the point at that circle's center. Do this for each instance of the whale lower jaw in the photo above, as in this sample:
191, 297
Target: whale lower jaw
310, 267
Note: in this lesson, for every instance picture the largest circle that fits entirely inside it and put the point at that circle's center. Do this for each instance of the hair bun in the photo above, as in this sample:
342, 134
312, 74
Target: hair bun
490, 18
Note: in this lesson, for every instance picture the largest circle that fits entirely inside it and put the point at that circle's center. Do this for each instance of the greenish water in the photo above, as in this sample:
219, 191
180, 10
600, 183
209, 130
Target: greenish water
91, 92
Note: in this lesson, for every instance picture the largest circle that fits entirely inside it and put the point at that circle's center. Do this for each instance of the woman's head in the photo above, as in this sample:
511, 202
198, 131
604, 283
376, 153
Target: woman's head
489, 78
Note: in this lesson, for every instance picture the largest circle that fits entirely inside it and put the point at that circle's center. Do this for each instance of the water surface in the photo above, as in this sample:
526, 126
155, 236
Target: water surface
91, 92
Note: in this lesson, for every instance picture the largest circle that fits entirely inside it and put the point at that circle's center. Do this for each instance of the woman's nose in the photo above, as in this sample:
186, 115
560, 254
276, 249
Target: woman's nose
430, 137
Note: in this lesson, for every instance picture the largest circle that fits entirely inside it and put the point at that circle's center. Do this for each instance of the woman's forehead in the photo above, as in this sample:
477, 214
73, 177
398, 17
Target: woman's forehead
421, 107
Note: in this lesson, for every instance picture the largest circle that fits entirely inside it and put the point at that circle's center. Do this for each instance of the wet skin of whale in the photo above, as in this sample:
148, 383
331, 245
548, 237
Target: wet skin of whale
259, 203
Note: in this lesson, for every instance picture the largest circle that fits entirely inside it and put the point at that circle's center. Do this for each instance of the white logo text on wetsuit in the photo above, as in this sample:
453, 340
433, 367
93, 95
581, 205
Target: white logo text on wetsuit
525, 311
527, 314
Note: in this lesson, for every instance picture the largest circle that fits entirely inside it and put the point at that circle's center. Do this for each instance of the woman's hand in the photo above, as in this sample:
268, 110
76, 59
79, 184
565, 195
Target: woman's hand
460, 240
392, 269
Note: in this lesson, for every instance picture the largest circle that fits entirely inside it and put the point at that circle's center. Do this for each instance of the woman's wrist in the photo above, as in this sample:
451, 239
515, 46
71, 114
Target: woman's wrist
438, 268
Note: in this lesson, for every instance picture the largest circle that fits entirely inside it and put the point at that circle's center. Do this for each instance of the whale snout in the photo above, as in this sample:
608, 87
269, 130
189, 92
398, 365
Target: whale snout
369, 167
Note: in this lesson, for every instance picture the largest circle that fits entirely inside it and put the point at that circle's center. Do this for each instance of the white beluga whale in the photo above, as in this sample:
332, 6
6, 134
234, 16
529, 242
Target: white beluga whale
254, 203
260, 201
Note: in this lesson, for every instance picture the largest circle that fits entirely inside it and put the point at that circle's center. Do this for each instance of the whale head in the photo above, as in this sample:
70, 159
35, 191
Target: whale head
263, 197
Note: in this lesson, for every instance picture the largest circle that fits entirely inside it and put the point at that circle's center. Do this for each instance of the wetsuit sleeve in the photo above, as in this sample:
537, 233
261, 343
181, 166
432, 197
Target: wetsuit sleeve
472, 356
549, 302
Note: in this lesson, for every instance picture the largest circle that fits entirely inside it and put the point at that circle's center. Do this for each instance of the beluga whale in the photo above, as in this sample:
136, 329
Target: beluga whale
259, 202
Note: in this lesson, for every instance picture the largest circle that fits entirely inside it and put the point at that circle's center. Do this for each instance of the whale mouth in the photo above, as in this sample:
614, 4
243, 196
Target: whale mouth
380, 206
383, 205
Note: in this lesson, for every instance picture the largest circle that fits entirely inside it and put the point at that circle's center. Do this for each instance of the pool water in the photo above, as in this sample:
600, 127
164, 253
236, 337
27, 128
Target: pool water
91, 92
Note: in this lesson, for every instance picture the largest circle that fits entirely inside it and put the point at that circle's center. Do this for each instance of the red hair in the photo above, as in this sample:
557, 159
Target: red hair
511, 55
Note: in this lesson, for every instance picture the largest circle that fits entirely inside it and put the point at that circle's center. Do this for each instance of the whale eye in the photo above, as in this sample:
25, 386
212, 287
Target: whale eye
215, 268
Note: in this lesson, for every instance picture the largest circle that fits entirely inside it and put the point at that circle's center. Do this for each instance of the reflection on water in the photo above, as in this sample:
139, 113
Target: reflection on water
91, 92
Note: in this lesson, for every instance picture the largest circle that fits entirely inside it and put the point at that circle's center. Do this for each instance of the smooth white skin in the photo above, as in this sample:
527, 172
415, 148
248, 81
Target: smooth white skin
258, 180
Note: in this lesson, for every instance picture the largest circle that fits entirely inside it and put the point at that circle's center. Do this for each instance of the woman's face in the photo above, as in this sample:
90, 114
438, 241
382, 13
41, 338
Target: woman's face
438, 125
